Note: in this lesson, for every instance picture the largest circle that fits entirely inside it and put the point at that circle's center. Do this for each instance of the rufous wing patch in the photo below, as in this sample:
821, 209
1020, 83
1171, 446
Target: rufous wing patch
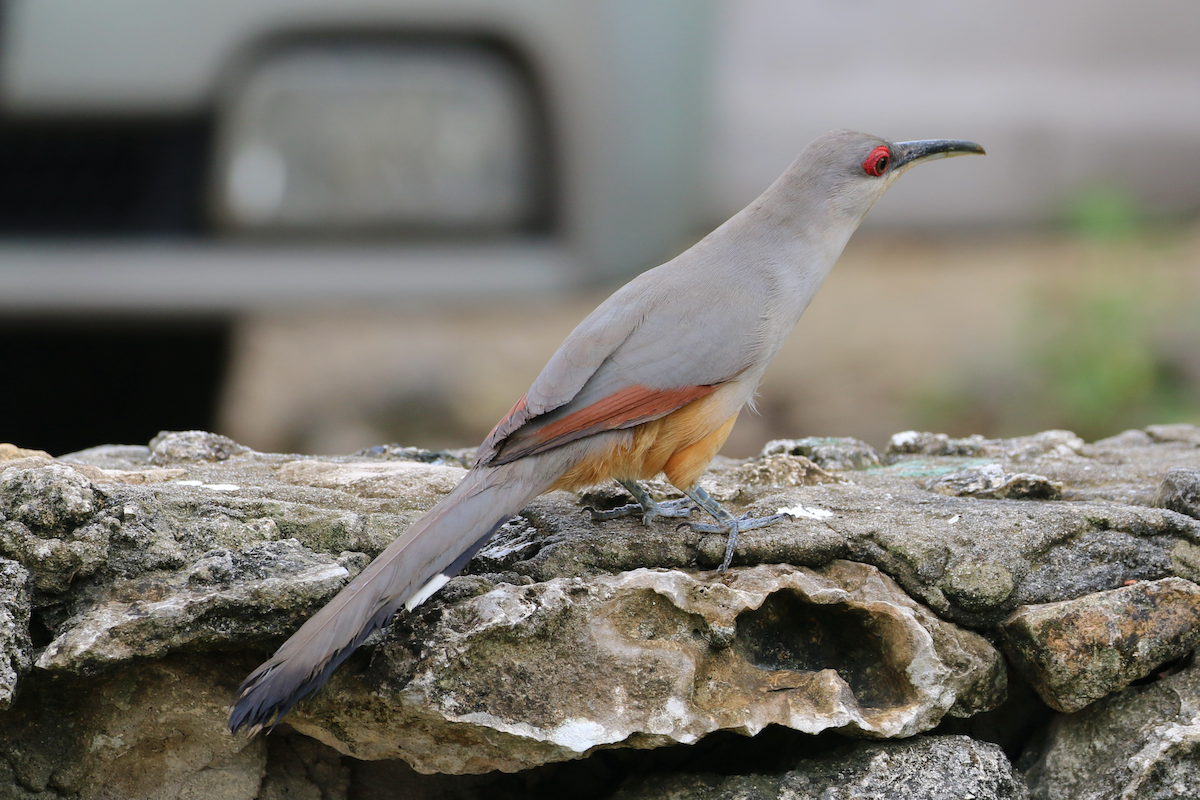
621, 409
513, 420
518, 410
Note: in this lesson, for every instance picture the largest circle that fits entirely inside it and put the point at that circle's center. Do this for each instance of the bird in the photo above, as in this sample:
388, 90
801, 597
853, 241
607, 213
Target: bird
649, 383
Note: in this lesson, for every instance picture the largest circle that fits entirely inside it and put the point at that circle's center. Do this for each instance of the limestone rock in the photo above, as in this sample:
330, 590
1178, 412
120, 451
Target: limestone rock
10, 452
1077, 651
922, 768
1180, 491
830, 453
15, 646
150, 732
47, 506
53, 497
267, 587
424, 484
527, 675
933, 444
299, 768
971, 559
171, 447
1141, 744
990, 480
1179, 432
781, 469
1059, 443
202, 556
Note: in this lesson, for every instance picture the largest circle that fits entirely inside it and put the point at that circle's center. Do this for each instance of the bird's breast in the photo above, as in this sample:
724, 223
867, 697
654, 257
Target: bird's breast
681, 444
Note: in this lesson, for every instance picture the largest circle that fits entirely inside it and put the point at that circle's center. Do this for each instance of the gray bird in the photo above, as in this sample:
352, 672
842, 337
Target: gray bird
650, 382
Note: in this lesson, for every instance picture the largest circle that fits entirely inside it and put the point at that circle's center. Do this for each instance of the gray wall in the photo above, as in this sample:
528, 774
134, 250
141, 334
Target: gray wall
1067, 95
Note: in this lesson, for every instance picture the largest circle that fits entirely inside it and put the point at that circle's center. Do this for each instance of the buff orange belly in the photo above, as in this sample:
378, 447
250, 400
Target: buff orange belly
681, 444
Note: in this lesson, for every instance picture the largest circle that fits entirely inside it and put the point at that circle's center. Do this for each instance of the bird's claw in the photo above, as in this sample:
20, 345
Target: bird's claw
671, 508
731, 527
612, 513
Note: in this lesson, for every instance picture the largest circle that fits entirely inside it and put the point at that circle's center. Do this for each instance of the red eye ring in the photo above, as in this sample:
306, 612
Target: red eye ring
877, 163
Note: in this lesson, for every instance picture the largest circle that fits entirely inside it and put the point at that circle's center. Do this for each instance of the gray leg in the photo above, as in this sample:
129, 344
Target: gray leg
726, 522
645, 506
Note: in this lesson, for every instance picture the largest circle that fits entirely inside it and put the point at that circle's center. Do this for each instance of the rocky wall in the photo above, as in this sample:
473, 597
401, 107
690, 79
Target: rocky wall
950, 618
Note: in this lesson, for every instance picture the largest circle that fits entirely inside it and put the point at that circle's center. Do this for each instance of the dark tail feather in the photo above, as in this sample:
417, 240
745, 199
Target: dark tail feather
412, 568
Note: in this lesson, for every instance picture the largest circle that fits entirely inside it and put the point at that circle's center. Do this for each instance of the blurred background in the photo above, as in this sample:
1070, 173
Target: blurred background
320, 225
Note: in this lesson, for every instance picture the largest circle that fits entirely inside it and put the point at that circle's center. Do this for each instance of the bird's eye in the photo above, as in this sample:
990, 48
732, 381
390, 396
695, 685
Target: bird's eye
877, 163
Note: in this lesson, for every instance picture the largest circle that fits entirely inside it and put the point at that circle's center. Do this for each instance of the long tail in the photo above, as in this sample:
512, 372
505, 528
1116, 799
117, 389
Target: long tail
411, 569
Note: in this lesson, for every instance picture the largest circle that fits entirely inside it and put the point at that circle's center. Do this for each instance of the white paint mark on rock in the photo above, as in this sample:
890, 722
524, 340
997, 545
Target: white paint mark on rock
216, 487
803, 512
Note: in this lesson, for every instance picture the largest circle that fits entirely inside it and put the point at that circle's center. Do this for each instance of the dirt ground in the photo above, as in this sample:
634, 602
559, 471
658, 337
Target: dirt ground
900, 323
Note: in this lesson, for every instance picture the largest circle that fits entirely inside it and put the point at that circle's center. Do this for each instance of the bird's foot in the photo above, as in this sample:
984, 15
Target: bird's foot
725, 523
646, 507
732, 527
682, 507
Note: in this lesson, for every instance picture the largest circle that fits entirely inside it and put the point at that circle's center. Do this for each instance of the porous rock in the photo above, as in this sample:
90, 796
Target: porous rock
153, 731
973, 559
832, 453
922, 768
264, 588
46, 498
990, 480
1057, 443
527, 675
15, 647
1180, 432
1180, 491
170, 447
212, 527
44, 509
1140, 744
1076, 651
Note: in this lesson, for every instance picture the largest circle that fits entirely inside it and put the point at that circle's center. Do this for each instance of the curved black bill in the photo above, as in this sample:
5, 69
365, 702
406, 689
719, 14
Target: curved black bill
905, 154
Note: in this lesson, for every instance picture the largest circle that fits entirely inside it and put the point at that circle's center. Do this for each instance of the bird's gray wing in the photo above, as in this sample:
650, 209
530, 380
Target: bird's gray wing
649, 349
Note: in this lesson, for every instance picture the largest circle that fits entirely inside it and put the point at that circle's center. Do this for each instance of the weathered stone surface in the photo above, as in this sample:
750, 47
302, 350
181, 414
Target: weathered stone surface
922, 768
10, 452
188, 549
1055, 443
780, 469
1180, 491
151, 732
831, 453
1179, 432
972, 559
990, 480
266, 587
522, 676
1076, 651
299, 768
46, 498
420, 483
15, 647
43, 511
170, 447
1141, 744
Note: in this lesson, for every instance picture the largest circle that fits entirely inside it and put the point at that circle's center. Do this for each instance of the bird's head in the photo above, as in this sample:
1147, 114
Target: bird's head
853, 170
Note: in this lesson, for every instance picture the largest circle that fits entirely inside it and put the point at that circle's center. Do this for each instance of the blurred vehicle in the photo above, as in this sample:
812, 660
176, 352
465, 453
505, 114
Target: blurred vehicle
569, 133
223, 157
